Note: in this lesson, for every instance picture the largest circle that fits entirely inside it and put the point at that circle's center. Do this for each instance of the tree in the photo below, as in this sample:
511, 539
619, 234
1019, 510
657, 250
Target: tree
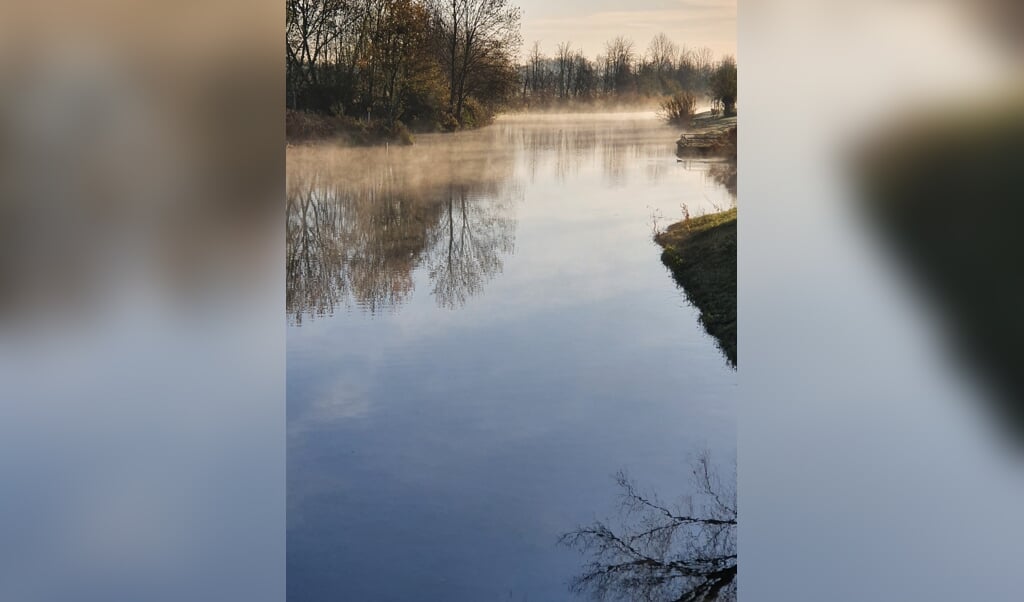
566, 64
682, 553
723, 85
410, 78
585, 76
537, 76
619, 58
686, 72
703, 61
476, 41
375, 60
311, 26
662, 53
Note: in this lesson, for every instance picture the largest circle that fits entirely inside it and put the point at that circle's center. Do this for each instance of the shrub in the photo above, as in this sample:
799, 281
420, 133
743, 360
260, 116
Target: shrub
448, 122
301, 125
396, 132
679, 108
475, 114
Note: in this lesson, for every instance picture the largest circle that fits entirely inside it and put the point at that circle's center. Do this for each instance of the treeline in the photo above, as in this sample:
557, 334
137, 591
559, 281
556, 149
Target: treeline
622, 74
382, 67
425, 64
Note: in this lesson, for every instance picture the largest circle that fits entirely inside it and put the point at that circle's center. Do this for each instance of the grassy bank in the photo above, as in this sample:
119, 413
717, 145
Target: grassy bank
701, 253
309, 126
301, 126
708, 136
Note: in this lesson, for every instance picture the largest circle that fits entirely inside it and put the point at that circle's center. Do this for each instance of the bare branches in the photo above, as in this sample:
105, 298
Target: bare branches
662, 52
660, 552
679, 108
474, 37
621, 73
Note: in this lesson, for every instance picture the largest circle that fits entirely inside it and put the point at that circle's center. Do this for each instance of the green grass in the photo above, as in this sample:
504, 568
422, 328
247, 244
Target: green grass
701, 253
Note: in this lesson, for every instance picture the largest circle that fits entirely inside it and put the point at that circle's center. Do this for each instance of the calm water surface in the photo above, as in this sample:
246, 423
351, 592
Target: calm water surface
480, 334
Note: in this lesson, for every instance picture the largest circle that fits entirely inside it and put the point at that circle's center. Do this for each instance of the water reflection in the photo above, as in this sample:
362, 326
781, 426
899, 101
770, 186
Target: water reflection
572, 144
438, 455
361, 223
359, 227
474, 233
724, 173
660, 551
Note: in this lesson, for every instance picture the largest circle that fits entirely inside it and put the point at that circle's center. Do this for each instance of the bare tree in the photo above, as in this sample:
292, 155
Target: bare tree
662, 53
684, 552
585, 76
474, 36
566, 66
704, 62
310, 28
619, 58
537, 71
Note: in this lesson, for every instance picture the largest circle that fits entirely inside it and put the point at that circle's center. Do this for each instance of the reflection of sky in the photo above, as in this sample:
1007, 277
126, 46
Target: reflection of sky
438, 453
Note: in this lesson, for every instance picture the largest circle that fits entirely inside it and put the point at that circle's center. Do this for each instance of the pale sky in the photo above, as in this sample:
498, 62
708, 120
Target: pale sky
588, 24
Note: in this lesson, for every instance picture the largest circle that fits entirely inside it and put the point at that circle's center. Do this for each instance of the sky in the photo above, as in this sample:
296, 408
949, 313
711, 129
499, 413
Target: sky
588, 24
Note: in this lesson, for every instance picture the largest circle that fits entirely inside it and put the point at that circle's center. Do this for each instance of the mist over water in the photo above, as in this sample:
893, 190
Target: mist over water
481, 334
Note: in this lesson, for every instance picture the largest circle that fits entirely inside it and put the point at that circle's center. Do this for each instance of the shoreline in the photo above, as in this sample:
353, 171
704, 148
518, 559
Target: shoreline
701, 254
302, 127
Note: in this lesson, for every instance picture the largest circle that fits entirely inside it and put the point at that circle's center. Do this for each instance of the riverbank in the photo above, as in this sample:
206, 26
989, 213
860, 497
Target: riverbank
708, 135
701, 253
308, 126
301, 126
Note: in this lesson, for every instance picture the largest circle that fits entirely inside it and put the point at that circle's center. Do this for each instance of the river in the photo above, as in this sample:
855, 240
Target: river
480, 333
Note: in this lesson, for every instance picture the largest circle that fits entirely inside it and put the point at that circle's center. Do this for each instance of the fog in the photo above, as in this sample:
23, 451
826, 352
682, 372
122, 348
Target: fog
362, 220
601, 108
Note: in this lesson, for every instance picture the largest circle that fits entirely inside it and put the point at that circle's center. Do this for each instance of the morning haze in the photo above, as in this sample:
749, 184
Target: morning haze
491, 311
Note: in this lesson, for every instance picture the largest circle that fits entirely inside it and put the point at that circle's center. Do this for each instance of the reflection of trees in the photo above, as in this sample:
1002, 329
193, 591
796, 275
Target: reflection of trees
357, 232
362, 221
468, 244
684, 552
613, 161
313, 246
724, 173
350, 246
568, 144
721, 172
